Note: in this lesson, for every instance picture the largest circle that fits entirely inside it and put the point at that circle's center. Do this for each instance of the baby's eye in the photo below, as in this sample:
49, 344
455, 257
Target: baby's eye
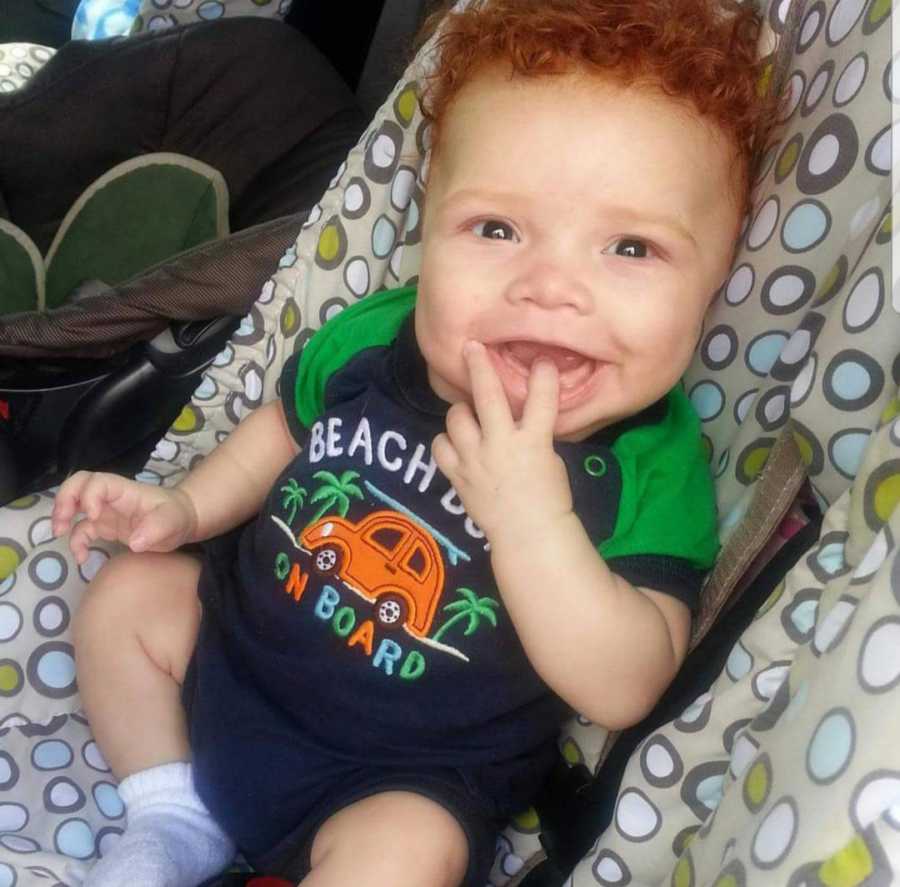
631, 248
494, 229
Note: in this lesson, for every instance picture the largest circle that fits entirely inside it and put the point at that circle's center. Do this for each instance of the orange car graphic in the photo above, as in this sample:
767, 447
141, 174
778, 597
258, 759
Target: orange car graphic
387, 558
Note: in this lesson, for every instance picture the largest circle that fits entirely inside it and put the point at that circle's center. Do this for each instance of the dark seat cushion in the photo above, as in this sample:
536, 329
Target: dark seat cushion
251, 97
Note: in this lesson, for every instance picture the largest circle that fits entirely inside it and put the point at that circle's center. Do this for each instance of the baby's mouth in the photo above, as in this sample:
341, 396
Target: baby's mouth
574, 368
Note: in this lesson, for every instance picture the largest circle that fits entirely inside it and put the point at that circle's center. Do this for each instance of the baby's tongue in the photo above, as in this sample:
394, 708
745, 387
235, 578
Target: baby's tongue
527, 353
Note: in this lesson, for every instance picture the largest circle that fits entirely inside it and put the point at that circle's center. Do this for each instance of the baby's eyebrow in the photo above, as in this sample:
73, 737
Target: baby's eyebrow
630, 216
484, 195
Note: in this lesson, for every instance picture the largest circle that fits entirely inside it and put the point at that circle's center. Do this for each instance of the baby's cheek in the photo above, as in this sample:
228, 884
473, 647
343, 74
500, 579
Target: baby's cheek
676, 333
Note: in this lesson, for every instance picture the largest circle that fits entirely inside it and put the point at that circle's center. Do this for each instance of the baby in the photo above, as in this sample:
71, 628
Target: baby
481, 503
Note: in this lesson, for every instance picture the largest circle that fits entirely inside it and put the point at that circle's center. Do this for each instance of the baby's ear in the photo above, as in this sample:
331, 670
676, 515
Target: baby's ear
412, 159
427, 169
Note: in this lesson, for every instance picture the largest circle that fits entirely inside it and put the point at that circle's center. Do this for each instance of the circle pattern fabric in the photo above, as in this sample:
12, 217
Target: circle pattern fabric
157, 15
802, 340
19, 62
789, 341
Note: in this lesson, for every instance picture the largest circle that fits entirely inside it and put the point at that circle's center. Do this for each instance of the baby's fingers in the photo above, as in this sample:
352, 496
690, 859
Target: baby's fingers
445, 455
161, 529
462, 428
68, 501
98, 491
488, 394
542, 403
80, 540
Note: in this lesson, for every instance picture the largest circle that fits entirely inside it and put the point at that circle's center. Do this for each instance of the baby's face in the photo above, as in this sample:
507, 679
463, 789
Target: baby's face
570, 218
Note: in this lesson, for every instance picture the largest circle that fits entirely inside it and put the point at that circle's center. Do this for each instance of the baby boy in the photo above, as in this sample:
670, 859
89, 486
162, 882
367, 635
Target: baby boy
481, 503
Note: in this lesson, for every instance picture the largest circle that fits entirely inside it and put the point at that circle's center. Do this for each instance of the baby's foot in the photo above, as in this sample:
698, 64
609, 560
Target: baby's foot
160, 851
171, 839
74, 873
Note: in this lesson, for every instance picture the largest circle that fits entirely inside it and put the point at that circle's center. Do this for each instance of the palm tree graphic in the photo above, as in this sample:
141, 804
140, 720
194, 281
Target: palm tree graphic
335, 492
293, 498
470, 607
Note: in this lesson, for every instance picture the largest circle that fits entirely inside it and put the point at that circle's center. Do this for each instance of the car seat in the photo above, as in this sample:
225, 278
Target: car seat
46, 23
19, 62
102, 405
784, 769
135, 171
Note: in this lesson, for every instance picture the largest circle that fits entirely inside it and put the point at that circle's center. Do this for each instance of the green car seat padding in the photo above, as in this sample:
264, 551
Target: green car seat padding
219, 277
21, 271
135, 215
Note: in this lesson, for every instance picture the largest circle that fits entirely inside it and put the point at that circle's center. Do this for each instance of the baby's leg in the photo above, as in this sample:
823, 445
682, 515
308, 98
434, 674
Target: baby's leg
134, 635
395, 837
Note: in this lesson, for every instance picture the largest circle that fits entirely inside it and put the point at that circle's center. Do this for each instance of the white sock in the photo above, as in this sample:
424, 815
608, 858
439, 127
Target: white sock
171, 839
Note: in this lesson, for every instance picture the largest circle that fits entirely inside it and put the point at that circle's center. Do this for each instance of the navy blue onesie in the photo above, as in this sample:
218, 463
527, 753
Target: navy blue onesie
353, 640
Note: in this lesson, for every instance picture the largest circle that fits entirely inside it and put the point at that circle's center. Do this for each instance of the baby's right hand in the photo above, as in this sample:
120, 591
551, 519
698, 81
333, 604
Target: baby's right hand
144, 517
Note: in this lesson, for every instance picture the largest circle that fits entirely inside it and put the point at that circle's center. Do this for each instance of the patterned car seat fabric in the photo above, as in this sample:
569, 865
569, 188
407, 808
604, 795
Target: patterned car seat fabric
786, 771
153, 15
19, 62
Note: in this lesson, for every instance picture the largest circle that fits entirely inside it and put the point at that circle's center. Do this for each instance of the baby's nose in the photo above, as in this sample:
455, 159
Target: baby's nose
551, 287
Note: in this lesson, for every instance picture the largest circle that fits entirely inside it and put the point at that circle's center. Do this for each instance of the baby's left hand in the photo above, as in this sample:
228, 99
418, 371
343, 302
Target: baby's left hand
506, 472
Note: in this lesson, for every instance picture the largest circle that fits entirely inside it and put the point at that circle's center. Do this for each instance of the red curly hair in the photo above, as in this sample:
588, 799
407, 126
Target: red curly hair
700, 52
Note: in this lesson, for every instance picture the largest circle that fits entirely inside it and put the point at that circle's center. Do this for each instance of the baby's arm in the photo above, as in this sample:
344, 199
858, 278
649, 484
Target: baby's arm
606, 647
225, 489
229, 486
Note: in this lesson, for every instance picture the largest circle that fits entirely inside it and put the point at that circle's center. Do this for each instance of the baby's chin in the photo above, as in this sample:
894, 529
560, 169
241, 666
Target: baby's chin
574, 432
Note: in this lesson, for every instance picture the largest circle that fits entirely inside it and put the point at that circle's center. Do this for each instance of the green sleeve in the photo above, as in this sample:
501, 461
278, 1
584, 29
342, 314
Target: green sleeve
668, 504
373, 321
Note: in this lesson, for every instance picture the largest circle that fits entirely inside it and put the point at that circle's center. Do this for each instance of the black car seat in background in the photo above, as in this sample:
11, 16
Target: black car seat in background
369, 49
71, 394
343, 39
43, 22
251, 98
83, 411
